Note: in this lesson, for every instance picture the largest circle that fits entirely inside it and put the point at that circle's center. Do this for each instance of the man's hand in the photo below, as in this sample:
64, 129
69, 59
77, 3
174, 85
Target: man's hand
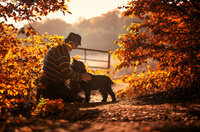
86, 77
67, 82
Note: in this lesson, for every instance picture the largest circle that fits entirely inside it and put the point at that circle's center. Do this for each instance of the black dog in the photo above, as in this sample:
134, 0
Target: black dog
101, 82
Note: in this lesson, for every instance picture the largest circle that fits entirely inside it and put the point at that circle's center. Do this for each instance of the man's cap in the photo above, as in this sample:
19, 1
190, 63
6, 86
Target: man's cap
76, 38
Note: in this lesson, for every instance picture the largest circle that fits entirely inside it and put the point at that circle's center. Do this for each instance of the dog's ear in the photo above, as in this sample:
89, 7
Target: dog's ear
74, 60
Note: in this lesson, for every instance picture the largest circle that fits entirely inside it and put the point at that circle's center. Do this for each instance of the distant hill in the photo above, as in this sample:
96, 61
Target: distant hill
97, 32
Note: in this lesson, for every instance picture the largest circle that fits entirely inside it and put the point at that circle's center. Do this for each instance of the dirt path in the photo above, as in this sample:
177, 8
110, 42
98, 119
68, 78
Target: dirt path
146, 114
123, 116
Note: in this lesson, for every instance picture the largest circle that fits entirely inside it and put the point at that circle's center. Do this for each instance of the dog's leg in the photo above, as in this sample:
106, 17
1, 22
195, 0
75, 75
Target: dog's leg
87, 95
104, 95
111, 93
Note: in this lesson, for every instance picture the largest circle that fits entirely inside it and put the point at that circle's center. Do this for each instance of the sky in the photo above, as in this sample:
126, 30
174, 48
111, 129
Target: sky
88, 9
83, 9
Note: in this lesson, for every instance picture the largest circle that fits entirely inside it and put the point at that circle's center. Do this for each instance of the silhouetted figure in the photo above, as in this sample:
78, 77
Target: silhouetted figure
57, 70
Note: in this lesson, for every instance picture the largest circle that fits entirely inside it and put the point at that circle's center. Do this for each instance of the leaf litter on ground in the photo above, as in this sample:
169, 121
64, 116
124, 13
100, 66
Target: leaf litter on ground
176, 110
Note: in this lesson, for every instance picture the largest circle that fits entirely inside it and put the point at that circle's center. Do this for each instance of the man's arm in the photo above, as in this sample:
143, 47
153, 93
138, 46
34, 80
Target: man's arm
63, 60
86, 77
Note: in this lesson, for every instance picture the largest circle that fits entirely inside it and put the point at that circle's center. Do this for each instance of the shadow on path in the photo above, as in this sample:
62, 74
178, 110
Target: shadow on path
178, 95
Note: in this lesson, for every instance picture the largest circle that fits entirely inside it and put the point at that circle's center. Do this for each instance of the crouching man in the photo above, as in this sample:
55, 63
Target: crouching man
56, 70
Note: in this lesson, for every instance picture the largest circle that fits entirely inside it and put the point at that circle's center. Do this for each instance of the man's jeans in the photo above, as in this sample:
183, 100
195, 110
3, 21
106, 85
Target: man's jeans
56, 91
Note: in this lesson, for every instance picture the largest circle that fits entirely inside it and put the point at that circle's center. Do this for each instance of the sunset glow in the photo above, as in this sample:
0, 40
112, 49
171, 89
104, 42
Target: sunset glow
88, 9
80, 9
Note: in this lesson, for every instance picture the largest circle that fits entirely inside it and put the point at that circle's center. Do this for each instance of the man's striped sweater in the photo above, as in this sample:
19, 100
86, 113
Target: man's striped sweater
56, 65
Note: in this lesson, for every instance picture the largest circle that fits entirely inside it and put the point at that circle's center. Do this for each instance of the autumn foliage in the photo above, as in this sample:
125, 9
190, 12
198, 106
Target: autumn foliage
21, 59
168, 33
